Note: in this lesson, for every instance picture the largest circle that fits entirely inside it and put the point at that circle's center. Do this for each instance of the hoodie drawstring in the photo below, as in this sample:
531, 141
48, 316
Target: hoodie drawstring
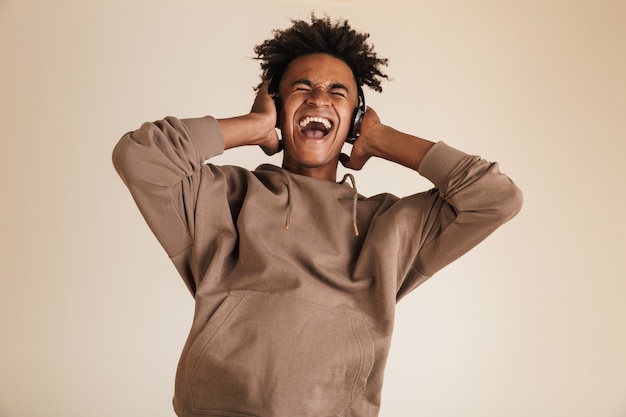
354, 201
288, 180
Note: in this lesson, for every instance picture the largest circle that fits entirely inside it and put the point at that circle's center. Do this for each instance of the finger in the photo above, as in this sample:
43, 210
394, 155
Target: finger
344, 159
264, 88
263, 101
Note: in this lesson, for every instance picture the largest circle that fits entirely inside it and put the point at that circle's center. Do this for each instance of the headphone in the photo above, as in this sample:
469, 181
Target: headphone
357, 115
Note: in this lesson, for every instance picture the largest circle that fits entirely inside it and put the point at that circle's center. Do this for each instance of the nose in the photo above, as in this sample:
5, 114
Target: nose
318, 97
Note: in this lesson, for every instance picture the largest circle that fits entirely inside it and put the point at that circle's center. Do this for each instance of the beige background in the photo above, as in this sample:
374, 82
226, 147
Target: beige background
531, 323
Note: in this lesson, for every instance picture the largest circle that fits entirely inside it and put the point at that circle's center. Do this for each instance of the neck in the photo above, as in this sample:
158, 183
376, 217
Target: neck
328, 173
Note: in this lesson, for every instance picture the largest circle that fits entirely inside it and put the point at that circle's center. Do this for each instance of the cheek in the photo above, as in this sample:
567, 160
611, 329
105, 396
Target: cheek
346, 120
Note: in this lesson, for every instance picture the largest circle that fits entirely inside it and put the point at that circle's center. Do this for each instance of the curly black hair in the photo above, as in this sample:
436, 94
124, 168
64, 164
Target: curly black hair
320, 36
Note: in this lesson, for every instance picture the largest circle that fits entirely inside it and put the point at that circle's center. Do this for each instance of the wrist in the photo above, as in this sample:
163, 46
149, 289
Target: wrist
249, 129
374, 143
262, 128
390, 144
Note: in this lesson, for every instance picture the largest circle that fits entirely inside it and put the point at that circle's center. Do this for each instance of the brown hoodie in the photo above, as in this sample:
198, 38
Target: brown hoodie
294, 311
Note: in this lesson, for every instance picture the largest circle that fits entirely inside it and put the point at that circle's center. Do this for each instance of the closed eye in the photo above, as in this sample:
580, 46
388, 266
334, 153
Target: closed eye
302, 85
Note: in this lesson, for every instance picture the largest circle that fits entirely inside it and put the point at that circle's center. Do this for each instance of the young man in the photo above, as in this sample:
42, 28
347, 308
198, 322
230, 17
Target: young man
295, 276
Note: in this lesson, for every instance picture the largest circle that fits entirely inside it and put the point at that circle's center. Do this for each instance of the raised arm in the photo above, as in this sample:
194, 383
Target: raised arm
471, 198
385, 142
162, 163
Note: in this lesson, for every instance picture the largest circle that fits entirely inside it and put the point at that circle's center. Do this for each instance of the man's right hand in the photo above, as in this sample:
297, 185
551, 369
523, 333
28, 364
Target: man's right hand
265, 107
255, 128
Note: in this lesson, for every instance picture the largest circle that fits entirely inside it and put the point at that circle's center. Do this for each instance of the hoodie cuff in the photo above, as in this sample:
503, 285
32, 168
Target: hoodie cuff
206, 135
439, 162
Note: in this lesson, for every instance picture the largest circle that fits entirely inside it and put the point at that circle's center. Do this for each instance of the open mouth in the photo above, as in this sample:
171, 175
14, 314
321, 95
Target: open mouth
315, 127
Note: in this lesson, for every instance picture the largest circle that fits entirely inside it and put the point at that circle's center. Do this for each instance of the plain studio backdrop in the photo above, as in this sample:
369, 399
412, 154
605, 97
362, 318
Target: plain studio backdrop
531, 323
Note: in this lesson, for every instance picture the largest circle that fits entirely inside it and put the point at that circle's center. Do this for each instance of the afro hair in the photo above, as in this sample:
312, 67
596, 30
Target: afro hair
321, 35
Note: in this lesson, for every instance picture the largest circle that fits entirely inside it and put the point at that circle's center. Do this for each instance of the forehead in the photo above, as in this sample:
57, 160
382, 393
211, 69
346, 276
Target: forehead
318, 68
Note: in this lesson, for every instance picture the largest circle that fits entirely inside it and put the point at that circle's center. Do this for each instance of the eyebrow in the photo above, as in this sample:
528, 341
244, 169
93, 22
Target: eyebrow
332, 86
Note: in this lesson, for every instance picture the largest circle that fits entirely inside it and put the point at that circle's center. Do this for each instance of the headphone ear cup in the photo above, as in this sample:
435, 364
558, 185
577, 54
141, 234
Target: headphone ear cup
357, 117
355, 126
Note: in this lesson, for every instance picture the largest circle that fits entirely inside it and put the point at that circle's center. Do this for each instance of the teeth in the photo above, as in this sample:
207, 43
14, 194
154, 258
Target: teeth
327, 124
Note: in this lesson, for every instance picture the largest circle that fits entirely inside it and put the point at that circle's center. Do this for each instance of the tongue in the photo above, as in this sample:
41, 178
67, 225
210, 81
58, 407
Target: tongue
314, 130
313, 133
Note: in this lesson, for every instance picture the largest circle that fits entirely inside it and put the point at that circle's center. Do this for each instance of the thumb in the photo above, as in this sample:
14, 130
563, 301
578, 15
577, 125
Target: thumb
344, 159
347, 162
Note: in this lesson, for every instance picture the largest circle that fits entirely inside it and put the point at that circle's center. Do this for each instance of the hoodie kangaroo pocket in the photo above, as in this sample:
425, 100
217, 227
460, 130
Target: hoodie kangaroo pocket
280, 356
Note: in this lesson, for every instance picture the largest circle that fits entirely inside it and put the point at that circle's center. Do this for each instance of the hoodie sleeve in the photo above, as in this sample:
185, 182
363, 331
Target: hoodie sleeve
161, 163
471, 199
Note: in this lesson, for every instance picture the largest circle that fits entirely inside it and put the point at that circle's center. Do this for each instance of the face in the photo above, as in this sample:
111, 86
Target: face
318, 96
